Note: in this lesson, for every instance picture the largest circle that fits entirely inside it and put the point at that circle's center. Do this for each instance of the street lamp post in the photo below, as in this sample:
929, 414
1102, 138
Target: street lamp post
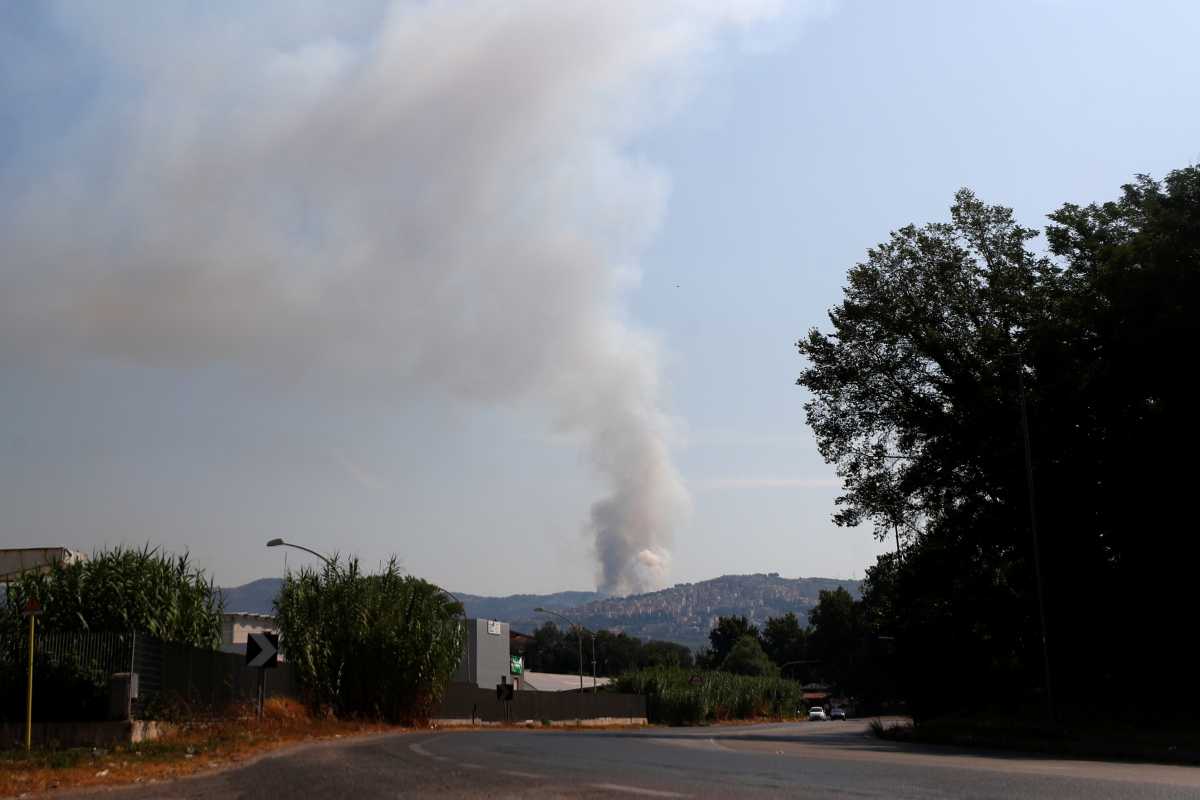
579, 629
282, 543
1037, 554
579, 637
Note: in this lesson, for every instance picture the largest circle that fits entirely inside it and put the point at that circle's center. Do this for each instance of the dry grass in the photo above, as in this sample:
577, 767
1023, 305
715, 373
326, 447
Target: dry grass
192, 748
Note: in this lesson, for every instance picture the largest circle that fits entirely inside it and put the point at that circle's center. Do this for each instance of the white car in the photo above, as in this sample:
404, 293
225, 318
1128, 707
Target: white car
817, 714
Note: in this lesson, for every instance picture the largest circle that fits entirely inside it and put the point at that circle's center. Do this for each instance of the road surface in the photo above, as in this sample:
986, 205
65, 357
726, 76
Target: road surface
818, 759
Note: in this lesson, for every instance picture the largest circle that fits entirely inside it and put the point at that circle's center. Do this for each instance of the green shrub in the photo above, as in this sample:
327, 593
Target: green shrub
381, 645
672, 697
122, 590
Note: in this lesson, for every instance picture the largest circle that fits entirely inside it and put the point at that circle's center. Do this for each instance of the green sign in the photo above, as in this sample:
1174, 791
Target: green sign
518, 665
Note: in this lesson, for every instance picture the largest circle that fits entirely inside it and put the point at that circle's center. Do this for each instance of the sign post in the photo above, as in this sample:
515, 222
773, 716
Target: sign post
262, 653
504, 693
32, 609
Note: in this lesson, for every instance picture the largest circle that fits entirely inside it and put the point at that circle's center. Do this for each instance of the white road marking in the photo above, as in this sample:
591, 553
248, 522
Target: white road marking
616, 787
421, 751
516, 773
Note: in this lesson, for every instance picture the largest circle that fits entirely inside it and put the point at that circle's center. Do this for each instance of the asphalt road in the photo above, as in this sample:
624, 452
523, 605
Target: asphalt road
822, 759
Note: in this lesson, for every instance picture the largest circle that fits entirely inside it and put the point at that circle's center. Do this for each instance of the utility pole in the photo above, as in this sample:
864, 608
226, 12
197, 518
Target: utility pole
32, 610
1037, 551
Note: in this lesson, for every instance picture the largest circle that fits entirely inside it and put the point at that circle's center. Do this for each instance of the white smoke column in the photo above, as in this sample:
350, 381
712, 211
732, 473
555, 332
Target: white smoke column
437, 193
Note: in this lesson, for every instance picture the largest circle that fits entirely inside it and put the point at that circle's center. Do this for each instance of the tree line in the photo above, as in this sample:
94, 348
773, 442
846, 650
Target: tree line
835, 645
1009, 409
552, 649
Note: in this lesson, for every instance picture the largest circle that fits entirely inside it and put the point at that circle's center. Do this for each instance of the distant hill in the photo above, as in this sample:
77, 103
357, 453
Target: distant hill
684, 613
255, 597
521, 606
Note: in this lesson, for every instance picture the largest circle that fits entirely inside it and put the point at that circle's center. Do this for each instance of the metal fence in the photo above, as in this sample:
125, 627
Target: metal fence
173, 679
205, 681
104, 653
468, 702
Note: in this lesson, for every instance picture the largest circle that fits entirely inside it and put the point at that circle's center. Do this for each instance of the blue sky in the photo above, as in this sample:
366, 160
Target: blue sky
753, 165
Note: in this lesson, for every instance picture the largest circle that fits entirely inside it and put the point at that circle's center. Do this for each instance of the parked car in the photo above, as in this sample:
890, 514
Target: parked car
838, 713
817, 714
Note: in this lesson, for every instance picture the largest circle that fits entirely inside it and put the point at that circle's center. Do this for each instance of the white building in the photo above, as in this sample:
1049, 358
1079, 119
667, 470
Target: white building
236, 626
16, 560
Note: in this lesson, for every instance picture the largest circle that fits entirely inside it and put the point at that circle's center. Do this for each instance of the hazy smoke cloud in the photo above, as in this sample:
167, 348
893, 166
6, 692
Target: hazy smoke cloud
436, 192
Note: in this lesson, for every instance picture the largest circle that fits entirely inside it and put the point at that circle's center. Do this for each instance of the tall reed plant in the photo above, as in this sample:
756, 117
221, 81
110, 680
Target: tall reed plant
686, 697
382, 645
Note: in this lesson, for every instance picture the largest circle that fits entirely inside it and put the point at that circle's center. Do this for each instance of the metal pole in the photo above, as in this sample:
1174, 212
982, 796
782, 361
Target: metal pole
579, 703
593, 663
281, 542
29, 690
1037, 555
579, 641
579, 635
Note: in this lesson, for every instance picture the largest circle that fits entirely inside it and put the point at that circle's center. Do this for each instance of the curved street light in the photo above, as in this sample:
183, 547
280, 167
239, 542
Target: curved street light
282, 543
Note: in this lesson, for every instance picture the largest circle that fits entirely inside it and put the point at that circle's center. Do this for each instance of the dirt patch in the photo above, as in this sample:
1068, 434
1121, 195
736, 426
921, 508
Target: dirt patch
193, 747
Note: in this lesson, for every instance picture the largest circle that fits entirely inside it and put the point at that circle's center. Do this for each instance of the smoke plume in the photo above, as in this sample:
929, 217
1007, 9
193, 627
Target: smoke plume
442, 193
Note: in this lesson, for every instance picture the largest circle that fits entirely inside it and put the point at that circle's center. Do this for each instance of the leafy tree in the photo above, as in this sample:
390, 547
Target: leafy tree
839, 638
948, 333
665, 654
383, 645
616, 653
725, 634
552, 650
125, 591
746, 657
784, 641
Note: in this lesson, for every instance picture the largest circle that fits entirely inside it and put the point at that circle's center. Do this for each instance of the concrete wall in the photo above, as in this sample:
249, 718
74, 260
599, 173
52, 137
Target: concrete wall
83, 734
486, 656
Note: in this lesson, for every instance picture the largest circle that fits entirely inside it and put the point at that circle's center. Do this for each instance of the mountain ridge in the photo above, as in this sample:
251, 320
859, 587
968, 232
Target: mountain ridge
683, 613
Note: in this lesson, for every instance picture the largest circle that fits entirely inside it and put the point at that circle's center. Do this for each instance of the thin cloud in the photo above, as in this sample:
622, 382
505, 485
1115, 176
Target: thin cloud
360, 474
731, 484
731, 438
